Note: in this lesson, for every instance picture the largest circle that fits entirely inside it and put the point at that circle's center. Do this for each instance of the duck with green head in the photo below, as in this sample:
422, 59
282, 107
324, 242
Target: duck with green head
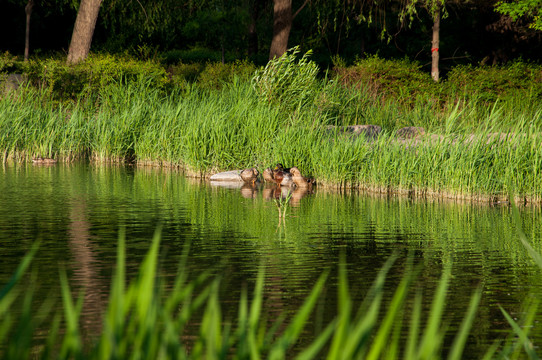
279, 175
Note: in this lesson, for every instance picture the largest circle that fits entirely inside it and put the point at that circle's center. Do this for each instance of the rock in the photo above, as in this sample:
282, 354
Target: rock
12, 82
228, 184
410, 132
370, 132
233, 175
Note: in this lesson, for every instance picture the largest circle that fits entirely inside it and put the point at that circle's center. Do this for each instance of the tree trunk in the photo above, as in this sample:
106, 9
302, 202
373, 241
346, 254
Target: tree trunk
28, 11
252, 34
83, 30
435, 46
282, 24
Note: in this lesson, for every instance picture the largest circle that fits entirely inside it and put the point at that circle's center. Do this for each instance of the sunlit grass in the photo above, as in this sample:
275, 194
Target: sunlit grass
486, 152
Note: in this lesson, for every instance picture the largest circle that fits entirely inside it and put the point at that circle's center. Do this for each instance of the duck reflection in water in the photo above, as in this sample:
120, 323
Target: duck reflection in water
280, 183
249, 190
274, 192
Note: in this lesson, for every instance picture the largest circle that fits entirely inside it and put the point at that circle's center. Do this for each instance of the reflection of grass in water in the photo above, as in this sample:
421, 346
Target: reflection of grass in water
144, 320
448, 228
283, 204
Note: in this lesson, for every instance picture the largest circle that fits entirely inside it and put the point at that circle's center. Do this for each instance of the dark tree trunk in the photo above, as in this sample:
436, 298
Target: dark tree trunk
282, 24
252, 34
28, 11
83, 30
435, 46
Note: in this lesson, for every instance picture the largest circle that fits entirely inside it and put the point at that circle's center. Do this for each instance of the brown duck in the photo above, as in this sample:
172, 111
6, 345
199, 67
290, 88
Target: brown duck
299, 180
268, 175
279, 167
282, 176
249, 175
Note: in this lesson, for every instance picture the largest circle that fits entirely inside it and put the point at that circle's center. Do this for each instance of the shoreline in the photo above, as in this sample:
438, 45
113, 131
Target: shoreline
424, 194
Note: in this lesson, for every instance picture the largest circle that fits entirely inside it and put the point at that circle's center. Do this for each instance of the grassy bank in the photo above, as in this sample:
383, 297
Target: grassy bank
150, 318
484, 150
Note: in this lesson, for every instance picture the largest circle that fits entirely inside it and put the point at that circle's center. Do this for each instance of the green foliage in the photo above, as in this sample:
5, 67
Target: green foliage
409, 12
286, 81
182, 72
402, 80
194, 55
490, 83
70, 81
478, 150
212, 75
519, 8
221, 122
218, 27
8, 63
215, 75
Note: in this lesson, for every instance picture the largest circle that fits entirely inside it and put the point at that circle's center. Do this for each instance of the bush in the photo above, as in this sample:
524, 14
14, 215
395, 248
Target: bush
399, 79
211, 75
216, 74
489, 83
403, 81
182, 72
9, 63
286, 82
194, 55
68, 81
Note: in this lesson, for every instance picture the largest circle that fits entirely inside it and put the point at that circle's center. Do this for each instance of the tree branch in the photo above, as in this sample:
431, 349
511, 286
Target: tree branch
300, 8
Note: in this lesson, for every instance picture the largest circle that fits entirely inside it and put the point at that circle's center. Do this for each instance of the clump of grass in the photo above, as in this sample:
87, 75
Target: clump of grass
282, 205
285, 81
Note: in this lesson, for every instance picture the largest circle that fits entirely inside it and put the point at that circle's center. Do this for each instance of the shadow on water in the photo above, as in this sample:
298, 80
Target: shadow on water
76, 211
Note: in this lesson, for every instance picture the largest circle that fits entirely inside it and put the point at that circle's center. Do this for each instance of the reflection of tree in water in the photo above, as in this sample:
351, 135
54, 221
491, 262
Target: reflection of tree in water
86, 279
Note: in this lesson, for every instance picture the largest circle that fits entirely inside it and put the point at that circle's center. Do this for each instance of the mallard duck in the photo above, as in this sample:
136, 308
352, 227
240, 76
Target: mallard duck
279, 167
282, 176
249, 175
278, 176
268, 175
299, 180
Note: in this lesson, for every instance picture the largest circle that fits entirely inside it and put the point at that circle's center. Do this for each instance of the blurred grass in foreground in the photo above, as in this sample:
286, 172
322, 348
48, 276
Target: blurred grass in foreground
144, 320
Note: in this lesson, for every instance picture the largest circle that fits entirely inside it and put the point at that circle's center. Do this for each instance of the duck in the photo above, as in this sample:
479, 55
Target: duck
282, 176
249, 175
299, 180
280, 167
278, 176
268, 175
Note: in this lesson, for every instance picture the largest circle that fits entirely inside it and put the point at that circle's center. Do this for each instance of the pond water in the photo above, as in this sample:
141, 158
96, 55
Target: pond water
76, 211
